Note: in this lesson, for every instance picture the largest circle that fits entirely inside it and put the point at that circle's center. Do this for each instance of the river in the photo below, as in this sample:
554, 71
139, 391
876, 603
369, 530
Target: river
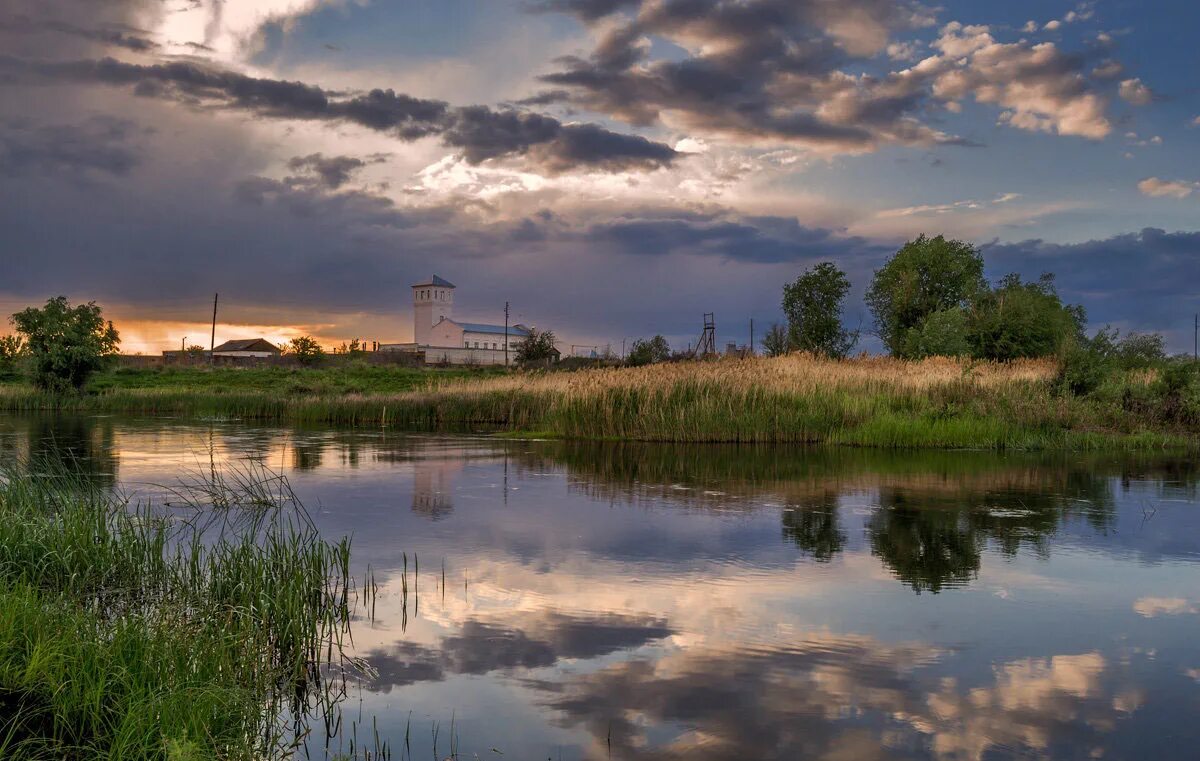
712, 602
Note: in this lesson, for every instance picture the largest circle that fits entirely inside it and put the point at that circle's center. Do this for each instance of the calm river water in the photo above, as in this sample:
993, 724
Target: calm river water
662, 602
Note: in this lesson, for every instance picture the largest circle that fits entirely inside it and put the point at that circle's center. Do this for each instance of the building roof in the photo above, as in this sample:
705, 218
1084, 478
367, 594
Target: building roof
479, 327
435, 281
247, 344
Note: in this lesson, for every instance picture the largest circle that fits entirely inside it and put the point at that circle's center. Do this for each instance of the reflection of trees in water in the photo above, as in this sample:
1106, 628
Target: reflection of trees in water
930, 542
937, 511
82, 445
815, 527
307, 453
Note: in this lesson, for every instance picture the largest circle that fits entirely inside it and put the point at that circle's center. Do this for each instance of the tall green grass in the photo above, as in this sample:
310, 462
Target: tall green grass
183, 633
879, 403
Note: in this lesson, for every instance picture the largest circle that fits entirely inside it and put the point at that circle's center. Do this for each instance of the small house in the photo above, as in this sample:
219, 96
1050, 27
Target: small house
257, 348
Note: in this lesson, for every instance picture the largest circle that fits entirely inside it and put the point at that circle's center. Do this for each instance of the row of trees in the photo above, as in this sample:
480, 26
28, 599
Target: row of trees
931, 299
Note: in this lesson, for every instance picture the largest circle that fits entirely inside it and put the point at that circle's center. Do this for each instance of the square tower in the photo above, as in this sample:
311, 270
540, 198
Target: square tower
433, 300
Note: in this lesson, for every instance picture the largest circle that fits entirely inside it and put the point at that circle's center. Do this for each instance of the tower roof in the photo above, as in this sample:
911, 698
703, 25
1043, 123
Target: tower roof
435, 281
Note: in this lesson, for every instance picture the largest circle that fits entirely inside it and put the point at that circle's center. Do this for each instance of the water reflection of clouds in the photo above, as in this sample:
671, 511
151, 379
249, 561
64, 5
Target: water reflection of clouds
542, 639
842, 697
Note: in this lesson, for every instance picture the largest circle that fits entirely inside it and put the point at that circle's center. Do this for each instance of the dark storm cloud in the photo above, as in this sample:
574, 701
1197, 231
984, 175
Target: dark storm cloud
808, 72
766, 69
113, 35
332, 171
545, 638
480, 132
1145, 280
588, 10
99, 144
749, 239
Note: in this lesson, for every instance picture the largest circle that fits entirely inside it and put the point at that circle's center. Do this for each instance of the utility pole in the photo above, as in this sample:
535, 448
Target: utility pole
183, 345
751, 336
212, 341
506, 334
1196, 336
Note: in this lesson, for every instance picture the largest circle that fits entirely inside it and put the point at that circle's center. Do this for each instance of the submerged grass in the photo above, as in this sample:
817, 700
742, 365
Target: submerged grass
934, 403
127, 633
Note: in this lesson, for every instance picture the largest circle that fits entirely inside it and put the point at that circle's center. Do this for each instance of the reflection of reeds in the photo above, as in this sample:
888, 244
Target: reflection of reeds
127, 632
885, 402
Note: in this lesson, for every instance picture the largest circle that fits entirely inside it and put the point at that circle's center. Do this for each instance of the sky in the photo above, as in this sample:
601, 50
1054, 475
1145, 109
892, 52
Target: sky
612, 168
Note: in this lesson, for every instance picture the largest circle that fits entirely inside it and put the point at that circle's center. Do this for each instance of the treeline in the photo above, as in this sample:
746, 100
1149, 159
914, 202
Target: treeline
931, 299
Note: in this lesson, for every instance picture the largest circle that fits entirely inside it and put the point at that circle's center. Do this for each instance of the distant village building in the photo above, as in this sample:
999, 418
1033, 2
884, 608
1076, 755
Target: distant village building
258, 348
446, 340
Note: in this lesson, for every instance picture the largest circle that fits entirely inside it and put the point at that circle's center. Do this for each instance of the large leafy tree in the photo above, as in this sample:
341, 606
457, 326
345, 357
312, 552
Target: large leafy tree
813, 306
1021, 318
65, 343
926, 275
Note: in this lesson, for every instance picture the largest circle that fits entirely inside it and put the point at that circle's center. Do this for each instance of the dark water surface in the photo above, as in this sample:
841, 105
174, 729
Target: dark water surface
662, 602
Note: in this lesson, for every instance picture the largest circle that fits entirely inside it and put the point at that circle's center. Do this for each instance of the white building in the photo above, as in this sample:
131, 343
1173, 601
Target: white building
446, 340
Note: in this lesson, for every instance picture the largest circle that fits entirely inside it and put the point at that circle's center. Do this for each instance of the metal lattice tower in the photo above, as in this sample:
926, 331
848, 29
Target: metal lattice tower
708, 338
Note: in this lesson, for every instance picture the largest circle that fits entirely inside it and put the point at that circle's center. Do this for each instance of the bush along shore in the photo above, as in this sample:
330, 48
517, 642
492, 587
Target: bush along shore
883, 402
209, 628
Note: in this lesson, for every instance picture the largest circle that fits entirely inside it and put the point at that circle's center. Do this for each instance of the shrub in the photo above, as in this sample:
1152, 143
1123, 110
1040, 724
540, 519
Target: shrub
649, 352
775, 342
943, 334
1084, 364
1018, 319
12, 349
538, 346
306, 350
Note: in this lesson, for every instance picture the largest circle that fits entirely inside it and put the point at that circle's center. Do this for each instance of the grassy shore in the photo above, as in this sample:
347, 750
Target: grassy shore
130, 634
935, 403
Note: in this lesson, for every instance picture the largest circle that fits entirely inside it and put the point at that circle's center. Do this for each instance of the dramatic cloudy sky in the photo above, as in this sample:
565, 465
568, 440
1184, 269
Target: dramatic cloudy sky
614, 168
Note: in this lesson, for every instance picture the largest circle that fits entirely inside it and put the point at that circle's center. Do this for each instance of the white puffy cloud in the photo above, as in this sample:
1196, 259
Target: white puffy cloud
1135, 92
1156, 188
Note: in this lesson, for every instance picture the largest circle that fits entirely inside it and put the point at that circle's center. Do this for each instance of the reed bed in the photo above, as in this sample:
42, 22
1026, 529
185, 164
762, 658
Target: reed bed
866, 401
189, 632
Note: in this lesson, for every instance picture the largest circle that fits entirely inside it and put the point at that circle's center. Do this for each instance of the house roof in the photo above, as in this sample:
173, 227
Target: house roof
435, 281
479, 327
247, 344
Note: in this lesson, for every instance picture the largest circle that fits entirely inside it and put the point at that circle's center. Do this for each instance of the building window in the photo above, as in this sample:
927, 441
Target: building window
466, 344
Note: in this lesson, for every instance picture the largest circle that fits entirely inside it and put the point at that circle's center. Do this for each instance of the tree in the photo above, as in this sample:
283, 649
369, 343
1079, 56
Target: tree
196, 351
775, 342
926, 275
66, 344
306, 350
12, 349
649, 352
1022, 319
813, 306
537, 346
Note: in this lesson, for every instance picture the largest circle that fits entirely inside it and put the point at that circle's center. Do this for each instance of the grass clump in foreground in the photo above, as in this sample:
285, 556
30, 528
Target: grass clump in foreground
131, 634
867, 401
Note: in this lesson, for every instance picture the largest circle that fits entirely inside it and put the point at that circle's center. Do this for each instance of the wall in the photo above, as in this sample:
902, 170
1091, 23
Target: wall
468, 356
445, 333
173, 359
487, 339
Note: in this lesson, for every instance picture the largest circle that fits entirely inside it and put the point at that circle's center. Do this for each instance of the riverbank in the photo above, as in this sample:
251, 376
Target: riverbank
130, 633
880, 402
